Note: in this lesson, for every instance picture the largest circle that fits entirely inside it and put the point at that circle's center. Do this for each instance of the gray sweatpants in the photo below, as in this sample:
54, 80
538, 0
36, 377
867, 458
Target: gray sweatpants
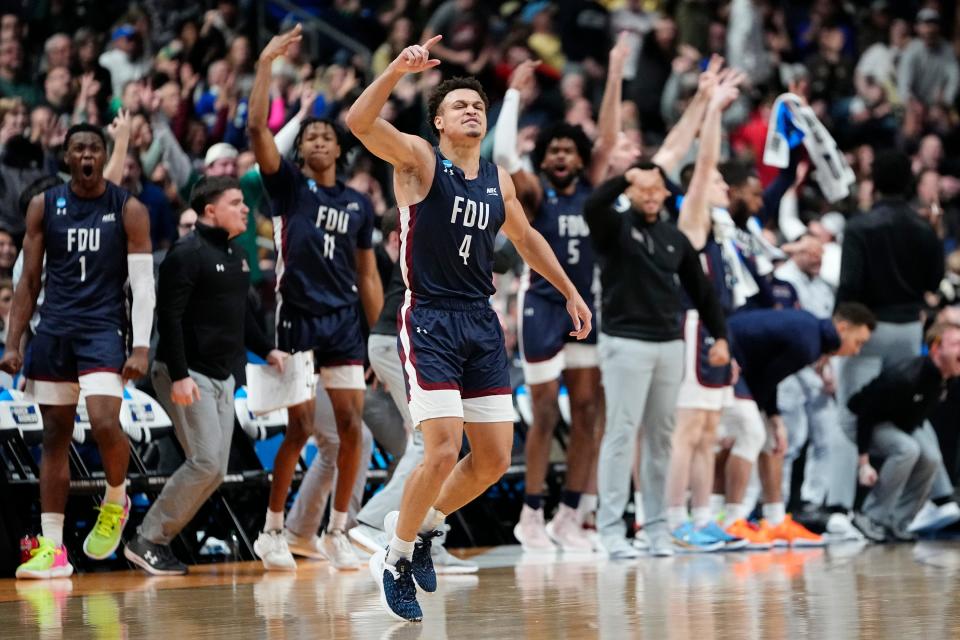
640, 381
308, 508
906, 477
888, 344
385, 360
811, 414
204, 430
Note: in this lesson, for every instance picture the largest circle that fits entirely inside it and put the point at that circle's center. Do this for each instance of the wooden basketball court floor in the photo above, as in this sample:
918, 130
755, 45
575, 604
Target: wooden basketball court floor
843, 591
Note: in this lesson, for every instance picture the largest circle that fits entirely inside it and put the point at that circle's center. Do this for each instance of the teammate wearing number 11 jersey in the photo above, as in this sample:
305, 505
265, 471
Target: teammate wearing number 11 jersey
452, 204
325, 271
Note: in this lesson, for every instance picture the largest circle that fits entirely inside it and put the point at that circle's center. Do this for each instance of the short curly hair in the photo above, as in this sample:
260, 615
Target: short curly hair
441, 90
558, 131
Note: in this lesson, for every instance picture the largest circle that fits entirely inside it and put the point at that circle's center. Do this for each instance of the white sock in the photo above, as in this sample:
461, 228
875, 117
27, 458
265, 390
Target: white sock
701, 516
774, 513
638, 514
433, 519
588, 503
717, 501
677, 516
274, 521
51, 526
399, 549
338, 520
735, 511
116, 495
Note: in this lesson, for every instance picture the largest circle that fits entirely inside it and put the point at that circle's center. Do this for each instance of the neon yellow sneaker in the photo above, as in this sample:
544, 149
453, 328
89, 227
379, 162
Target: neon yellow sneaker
46, 561
104, 538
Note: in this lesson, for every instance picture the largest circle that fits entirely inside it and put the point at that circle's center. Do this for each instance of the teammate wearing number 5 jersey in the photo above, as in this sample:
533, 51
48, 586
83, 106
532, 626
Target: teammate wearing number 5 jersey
567, 166
452, 203
325, 271
96, 238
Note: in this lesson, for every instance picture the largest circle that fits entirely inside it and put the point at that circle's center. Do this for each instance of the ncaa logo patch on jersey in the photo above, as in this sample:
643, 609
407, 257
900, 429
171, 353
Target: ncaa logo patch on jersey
622, 205
448, 167
61, 206
312, 184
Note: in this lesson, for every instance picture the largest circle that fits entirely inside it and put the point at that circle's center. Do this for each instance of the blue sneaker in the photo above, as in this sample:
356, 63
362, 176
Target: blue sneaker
423, 572
692, 540
398, 593
730, 543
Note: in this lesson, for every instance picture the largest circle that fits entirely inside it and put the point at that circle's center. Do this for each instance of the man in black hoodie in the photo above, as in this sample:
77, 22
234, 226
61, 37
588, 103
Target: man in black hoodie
204, 322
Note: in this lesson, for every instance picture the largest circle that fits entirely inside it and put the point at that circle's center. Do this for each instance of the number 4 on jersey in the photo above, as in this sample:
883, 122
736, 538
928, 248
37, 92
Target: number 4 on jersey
465, 247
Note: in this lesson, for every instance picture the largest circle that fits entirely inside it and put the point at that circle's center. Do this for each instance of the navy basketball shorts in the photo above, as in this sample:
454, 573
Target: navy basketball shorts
59, 367
702, 386
546, 346
454, 361
336, 339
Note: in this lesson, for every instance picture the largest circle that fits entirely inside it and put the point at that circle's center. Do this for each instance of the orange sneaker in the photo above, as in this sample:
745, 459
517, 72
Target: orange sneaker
756, 538
774, 534
797, 535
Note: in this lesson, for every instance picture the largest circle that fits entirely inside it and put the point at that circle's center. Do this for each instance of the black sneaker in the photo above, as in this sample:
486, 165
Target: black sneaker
155, 559
423, 572
871, 530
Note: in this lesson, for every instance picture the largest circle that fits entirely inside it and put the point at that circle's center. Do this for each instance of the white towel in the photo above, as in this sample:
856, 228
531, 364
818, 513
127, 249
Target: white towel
792, 122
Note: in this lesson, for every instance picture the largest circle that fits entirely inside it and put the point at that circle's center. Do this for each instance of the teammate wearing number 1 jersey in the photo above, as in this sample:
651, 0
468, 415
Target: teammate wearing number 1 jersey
452, 203
325, 271
567, 165
96, 239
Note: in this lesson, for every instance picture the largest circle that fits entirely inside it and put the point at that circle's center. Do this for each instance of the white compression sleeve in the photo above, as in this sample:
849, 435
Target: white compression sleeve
505, 135
140, 272
288, 135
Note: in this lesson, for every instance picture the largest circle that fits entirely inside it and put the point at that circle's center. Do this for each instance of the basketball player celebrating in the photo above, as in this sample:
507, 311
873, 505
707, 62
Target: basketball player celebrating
553, 202
325, 265
95, 235
452, 203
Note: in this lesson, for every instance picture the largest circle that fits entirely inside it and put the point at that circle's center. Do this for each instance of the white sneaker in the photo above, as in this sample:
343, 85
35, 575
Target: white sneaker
933, 518
445, 563
566, 532
641, 541
841, 529
271, 547
337, 548
661, 546
531, 532
306, 547
368, 537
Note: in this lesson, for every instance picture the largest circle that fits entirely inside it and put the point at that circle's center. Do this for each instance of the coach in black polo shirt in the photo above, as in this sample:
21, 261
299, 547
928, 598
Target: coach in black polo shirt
204, 323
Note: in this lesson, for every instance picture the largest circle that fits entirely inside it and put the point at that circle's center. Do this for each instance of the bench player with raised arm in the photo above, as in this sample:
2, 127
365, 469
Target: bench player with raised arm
452, 204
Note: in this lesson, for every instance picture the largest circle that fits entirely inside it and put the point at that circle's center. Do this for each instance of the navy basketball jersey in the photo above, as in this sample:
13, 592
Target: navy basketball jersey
560, 221
317, 231
86, 261
446, 241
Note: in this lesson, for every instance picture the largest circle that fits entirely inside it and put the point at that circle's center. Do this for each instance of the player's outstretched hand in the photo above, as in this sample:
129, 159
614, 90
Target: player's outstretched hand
581, 316
11, 362
279, 43
136, 365
416, 58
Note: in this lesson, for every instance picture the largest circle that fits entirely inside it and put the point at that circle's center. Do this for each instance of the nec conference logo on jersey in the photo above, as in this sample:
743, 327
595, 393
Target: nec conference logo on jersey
61, 206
